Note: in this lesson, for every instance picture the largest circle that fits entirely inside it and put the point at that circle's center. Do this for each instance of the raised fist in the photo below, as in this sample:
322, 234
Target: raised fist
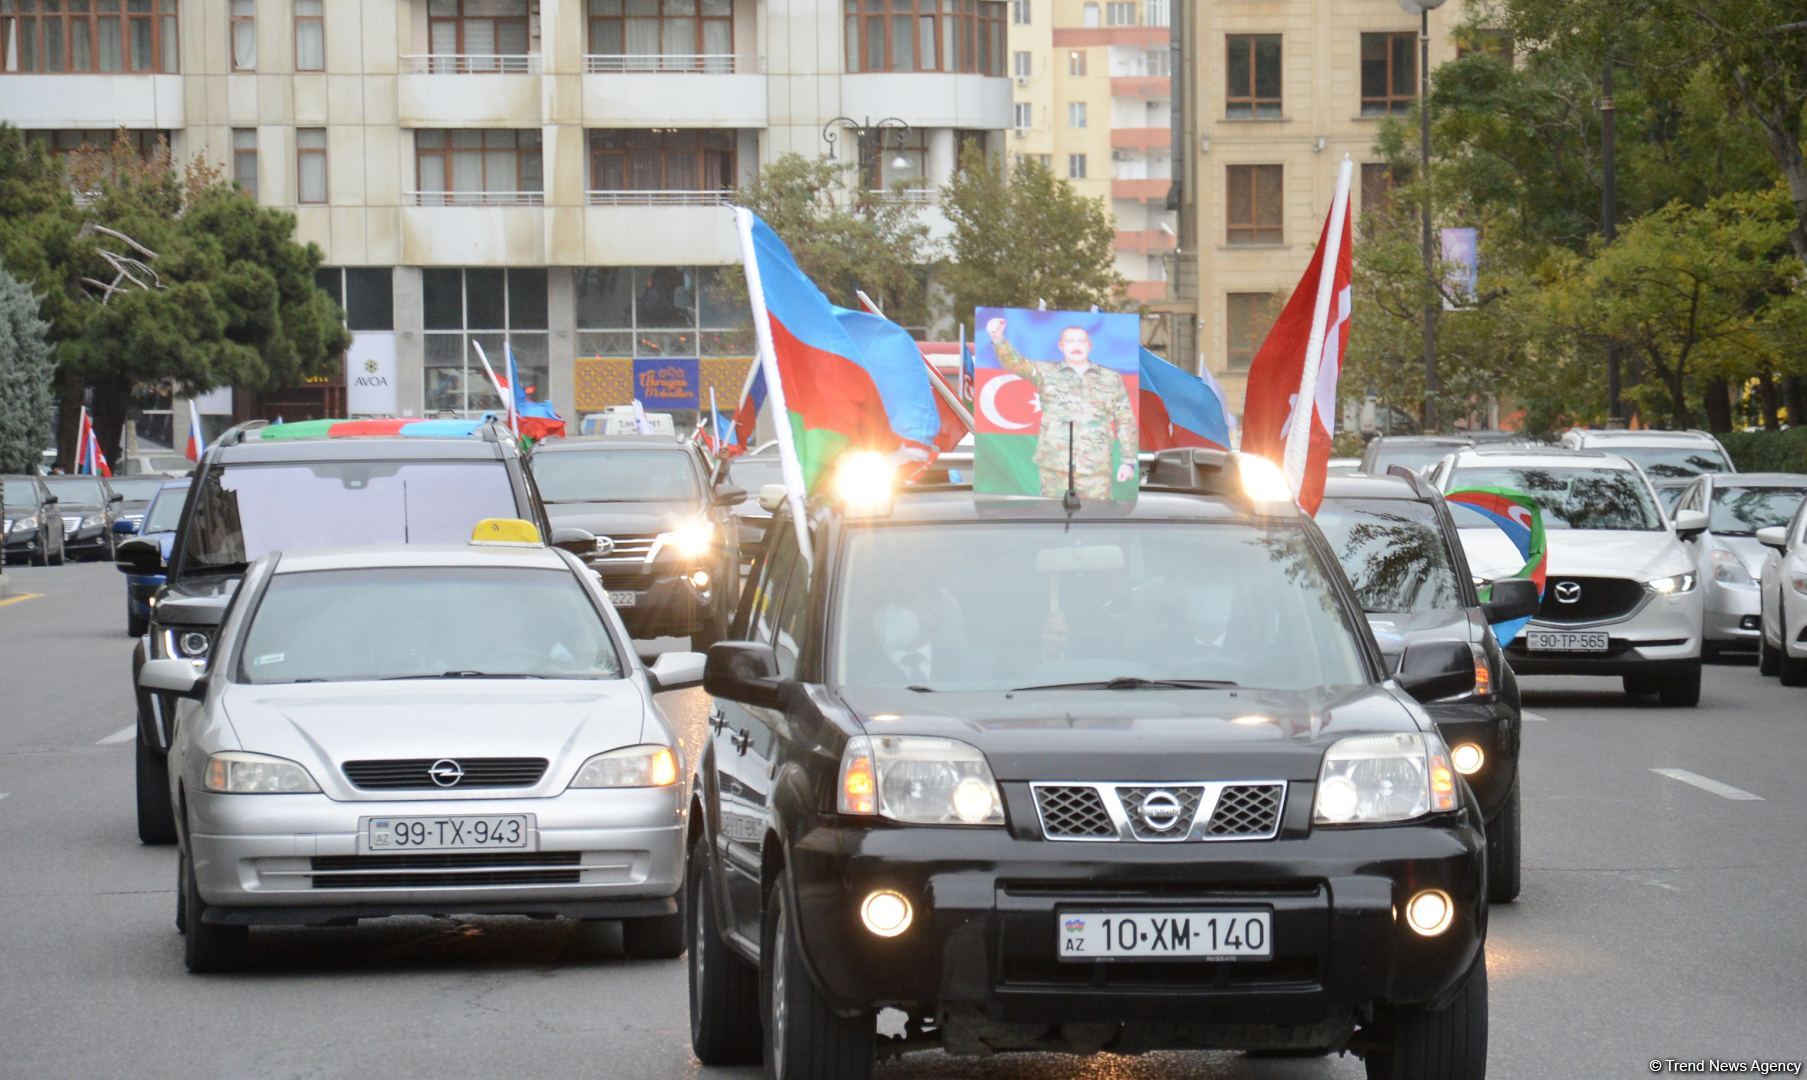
995, 327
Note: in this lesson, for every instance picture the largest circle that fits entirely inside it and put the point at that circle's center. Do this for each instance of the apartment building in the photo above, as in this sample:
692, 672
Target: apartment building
1273, 95
547, 174
1092, 100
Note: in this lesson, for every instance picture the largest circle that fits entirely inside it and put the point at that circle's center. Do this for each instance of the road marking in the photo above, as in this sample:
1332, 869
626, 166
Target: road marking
21, 598
1724, 791
1533, 718
119, 736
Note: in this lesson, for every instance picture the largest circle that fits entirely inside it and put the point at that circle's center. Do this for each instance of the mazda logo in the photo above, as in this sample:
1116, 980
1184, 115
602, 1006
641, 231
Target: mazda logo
1568, 592
1161, 811
445, 772
605, 545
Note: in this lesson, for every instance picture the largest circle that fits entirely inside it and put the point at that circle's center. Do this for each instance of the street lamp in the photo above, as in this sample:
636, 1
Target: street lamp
864, 127
1423, 9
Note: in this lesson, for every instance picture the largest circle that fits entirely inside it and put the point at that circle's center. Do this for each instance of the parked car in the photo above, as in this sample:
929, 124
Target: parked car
1661, 454
1415, 452
1669, 492
1782, 643
156, 462
34, 528
159, 525
87, 505
1737, 506
135, 495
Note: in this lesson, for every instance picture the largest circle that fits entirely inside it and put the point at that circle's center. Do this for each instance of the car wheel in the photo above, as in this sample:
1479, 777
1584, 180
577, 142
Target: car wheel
1503, 878
1421, 1043
1769, 661
135, 624
208, 947
41, 557
655, 937
62, 551
724, 989
181, 891
1640, 685
156, 821
805, 1039
1681, 691
1792, 670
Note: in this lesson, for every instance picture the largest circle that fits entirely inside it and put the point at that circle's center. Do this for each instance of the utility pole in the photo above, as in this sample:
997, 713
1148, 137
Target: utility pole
1432, 293
1609, 218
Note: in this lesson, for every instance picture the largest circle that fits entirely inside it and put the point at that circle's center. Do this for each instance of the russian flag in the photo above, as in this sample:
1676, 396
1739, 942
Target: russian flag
533, 419
1179, 408
197, 443
88, 458
846, 379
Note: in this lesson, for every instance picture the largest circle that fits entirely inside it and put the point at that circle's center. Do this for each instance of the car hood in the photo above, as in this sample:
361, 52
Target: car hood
1154, 735
322, 725
1582, 553
66, 506
621, 518
1394, 629
196, 601
1748, 550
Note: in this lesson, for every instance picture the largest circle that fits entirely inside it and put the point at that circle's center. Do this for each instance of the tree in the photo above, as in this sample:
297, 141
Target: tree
1024, 236
26, 368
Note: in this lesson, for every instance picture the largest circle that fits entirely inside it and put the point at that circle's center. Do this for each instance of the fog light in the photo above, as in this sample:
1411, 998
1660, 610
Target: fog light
1467, 758
1430, 912
699, 579
886, 913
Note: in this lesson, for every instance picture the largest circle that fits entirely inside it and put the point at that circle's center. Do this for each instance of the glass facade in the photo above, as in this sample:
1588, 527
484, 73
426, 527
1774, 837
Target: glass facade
464, 310
662, 311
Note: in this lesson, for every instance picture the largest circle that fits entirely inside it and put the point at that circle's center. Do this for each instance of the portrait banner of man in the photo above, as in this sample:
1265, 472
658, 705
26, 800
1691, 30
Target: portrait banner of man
1056, 403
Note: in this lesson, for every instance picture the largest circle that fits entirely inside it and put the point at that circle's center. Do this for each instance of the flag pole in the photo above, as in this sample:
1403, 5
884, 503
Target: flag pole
490, 371
768, 360
965, 392
1298, 436
936, 382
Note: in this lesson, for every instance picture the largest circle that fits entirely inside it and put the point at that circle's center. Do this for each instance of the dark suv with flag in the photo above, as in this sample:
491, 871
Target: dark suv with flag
1117, 779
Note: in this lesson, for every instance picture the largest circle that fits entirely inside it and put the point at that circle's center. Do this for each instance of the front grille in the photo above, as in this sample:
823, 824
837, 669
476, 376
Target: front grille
626, 581
71, 522
1074, 813
1247, 811
403, 774
1589, 599
444, 870
629, 547
1134, 800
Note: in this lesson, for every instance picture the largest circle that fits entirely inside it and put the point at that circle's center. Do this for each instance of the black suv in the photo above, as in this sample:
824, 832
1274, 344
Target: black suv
1397, 543
667, 546
252, 495
1110, 779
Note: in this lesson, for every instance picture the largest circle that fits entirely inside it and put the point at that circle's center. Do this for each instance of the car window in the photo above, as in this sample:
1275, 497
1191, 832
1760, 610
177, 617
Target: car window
1412, 457
768, 594
422, 622
165, 511
995, 606
1741, 511
1571, 497
17, 491
76, 489
616, 476
1661, 461
135, 489
1394, 553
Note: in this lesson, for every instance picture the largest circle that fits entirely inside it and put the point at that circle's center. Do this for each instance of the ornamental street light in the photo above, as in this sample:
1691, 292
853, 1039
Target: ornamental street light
1423, 9
875, 130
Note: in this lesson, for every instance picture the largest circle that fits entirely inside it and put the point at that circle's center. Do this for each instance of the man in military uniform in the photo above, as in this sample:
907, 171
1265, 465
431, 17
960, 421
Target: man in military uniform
1089, 397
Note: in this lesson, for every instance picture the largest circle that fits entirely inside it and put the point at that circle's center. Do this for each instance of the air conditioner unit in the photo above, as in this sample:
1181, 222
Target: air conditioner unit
1022, 80
1120, 155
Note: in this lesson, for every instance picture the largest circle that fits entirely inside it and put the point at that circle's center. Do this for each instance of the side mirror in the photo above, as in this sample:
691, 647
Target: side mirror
51, 499
179, 677
1436, 670
1776, 536
771, 497
124, 527
579, 542
139, 556
1513, 598
118, 496
677, 671
743, 671
1690, 523
729, 495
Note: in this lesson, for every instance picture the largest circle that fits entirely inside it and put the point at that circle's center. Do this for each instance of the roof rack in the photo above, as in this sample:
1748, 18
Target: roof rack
237, 433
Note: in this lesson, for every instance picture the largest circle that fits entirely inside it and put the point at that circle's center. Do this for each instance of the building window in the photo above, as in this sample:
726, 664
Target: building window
1089, 15
468, 167
86, 36
1076, 114
1120, 13
1160, 63
310, 165
881, 153
1247, 319
1252, 67
1076, 62
925, 35
1021, 64
244, 160
686, 31
366, 295
243, 26
310, 35
661, 311
1389, 73
1494, 43
1255, 203
1019, 12
1022, 115
477, 36
495, 309
678, 161
1075, 166
1378, 181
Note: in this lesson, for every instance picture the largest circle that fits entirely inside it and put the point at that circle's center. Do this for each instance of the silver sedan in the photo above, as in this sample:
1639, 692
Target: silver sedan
424, 729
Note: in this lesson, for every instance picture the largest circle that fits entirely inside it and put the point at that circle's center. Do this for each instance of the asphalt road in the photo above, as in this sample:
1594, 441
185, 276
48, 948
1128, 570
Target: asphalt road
1660, 919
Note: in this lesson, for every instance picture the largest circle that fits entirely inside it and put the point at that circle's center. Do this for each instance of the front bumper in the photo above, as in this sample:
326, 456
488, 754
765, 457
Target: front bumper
1495, 727
1661, 637
262, 859
981, 950
1733, 613
25, 541
92, 539
664, 602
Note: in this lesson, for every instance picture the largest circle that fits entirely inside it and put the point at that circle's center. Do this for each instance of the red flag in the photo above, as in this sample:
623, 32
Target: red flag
197, 444
1269, 405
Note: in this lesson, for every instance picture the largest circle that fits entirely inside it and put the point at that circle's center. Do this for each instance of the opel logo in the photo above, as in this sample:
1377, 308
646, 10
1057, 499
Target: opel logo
1568, 592
445, 772
605, 545
1161, 811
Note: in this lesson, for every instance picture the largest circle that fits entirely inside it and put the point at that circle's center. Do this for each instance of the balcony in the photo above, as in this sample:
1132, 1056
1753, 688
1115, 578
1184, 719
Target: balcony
445, 233
93, 100
1142, 87
1142, 191
623, 233
476, 90
674, 63
930, 99
1141, 138
473, 198
658, 198
1145, 241
722, 90
470, 64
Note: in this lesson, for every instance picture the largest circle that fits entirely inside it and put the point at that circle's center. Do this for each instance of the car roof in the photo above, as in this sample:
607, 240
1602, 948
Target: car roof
1645, 437
378, 556
278, 451
1526, 455
945, 504
1371, 486
1422, 440
1754, 479
610, 442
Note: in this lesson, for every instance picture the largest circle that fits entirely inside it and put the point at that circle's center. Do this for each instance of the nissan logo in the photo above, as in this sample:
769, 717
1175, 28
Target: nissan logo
1161, 811
1568, 592
445, 772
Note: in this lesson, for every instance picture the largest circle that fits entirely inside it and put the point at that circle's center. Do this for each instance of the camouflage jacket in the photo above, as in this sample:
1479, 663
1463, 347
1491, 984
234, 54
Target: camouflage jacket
1094, 401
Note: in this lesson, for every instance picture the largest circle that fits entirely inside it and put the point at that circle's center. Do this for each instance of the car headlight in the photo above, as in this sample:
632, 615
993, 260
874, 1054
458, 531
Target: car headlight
1376, 778
235, 772
1669, 586
692, 539
92, 521
1727, 570
186, 644
919, 780
1798, 582
631, 766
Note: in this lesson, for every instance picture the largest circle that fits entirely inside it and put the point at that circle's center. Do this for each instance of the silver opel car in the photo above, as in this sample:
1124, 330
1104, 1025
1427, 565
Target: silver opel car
419, 730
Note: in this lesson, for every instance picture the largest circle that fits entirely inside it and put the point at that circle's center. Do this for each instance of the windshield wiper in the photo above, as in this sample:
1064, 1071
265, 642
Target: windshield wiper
1135, 682
466, 673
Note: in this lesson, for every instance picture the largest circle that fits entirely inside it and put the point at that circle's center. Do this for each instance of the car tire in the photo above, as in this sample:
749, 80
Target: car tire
41, 557
208, 948
135, 624
1503, 851
1793, 671
655, 937
62, 552
805, 1039
156, 821
1769, 661
724, 988
1421, 1043
1680, 691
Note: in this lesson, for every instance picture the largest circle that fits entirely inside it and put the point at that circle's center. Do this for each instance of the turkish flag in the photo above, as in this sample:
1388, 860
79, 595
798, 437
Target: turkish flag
1271, 405
1005, 404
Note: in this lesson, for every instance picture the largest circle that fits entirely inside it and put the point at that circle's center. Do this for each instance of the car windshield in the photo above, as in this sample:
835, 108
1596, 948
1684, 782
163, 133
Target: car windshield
1571, 497
244, 511
426, 622
136, 490
755, 473
1001, 606
1670, 494
1394, 553
1660, 461
616, 476
18, 492
76, 489
1741, 511
165, 511
1412, 456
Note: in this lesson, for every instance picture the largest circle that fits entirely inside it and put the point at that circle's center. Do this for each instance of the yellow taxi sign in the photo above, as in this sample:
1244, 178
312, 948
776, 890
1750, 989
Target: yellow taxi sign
506, 531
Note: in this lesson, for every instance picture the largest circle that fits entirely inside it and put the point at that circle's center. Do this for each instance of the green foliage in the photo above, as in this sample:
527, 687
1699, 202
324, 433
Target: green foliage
26, 367
1025, 236
1768, 451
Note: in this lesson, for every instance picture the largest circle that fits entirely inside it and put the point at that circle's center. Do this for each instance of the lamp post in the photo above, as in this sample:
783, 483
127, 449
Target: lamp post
1609, 217
1423, 9
876, 129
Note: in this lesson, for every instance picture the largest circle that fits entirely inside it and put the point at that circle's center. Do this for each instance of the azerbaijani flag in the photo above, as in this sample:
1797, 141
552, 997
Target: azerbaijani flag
1180, 408
844, 379
379, 427
1521, 519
